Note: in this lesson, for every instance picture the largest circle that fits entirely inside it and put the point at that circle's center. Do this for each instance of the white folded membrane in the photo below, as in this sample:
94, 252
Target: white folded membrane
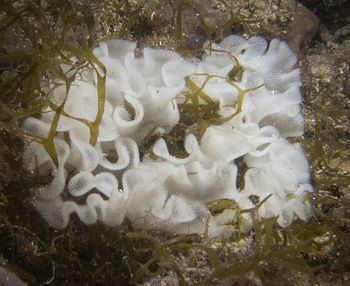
256, 88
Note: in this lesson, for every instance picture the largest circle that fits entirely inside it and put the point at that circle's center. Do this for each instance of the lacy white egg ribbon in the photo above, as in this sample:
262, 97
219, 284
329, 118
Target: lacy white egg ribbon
297, 205
124, 149
83, 182
121, 116
36, 127
282, 172
197, 182
160, 107
191, 146
282, 110
159, 67
200, 181
57, 212
115, 54
173, 197
255, 54
216, 87
115, 49
247, 49
272, 66
152, 198
285, 160
35, 155
45, 196
257, 107
227, 142
55, 188
148, 84
84, 156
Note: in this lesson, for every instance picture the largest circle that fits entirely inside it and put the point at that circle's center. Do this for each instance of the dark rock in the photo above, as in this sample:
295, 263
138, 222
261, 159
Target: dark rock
302, 29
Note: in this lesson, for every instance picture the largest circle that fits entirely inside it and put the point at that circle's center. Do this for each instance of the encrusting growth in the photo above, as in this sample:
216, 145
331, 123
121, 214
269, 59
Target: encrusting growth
156, 138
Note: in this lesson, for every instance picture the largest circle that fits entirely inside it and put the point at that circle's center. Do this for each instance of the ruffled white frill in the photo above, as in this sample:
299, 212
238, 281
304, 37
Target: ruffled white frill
112, 183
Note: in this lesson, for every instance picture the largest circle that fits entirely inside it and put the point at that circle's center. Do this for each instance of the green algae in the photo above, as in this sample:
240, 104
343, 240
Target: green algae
273, 245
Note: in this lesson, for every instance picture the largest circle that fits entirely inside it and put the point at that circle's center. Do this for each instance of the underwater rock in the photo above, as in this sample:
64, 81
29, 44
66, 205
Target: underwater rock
241, 100
183, 25
9, 278
302, 29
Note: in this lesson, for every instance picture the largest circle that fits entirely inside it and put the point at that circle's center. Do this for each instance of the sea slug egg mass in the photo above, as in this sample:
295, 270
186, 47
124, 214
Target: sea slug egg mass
176, 139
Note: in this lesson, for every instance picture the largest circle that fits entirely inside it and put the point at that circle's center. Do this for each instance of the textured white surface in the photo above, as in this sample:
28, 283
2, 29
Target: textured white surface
172, 193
